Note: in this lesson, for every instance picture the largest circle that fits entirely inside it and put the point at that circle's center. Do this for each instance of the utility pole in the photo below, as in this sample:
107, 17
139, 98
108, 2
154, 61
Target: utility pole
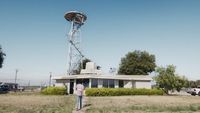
16, 71
29, 83
50, 79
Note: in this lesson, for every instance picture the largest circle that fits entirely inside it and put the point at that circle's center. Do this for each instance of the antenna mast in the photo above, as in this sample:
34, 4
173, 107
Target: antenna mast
77, 19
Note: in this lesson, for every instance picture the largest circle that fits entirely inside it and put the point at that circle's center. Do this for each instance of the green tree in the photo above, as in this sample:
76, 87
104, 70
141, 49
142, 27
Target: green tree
168, 80
137, 63
2, 54
181, 82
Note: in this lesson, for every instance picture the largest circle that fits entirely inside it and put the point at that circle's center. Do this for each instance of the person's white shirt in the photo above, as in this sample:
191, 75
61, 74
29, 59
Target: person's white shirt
79, 89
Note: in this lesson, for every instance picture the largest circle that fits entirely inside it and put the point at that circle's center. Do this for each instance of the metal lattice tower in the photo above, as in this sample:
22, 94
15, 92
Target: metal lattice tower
77, 19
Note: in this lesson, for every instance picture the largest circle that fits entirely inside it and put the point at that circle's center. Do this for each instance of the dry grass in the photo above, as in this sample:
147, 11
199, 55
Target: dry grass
143, 104
35, 103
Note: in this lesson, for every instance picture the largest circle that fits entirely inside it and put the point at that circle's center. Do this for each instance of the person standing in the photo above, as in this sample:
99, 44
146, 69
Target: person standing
79, 94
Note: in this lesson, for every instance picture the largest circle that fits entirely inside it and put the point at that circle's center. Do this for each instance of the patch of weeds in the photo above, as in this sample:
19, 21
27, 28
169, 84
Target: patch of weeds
193, 108
178, 108
145, 109
91, 110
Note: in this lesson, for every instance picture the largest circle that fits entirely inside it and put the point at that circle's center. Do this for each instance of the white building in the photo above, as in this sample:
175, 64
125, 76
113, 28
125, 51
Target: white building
93, 78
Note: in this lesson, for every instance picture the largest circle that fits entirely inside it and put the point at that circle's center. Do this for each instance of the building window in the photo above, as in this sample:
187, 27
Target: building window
94, 83
79, 81
105, 83
111, 83
108, 83
86, 83
121, 83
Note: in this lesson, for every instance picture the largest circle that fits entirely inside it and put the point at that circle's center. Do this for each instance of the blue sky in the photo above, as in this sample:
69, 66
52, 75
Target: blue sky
33, 34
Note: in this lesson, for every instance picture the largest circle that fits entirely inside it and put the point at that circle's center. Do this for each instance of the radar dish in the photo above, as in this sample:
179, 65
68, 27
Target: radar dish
76, 17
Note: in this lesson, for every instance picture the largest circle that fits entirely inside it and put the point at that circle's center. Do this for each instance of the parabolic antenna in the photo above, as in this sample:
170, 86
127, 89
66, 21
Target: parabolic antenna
76, 17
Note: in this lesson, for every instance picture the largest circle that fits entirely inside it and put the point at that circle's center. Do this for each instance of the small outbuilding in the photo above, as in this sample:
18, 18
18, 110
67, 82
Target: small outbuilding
93, 78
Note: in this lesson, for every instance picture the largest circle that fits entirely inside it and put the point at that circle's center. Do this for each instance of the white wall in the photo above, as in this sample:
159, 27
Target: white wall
127, 84
60, 83
100, 83
90, 82
143, 84
116, 83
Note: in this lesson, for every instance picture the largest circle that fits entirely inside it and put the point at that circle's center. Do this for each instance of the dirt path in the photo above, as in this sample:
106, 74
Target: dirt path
85, 106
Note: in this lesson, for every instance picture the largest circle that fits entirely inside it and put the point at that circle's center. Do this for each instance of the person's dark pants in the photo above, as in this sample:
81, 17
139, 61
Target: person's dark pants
79, 102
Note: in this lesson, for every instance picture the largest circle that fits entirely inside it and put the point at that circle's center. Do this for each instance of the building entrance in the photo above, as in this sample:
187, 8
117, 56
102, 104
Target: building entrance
85, 82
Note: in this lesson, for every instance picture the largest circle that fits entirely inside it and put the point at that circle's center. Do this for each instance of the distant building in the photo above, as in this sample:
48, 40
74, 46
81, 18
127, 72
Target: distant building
93, 78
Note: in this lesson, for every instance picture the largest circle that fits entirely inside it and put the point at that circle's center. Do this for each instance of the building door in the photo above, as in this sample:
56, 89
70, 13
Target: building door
71, 90
85, 82
121, 83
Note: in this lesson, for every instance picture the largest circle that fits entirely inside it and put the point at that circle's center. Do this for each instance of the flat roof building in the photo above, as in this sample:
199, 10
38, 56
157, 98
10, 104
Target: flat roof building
93, 78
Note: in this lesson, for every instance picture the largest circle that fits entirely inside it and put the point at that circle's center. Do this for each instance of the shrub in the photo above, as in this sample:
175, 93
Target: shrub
54, 91
121, 91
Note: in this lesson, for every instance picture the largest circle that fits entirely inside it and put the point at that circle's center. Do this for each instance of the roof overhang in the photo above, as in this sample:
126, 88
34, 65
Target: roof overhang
116, 77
